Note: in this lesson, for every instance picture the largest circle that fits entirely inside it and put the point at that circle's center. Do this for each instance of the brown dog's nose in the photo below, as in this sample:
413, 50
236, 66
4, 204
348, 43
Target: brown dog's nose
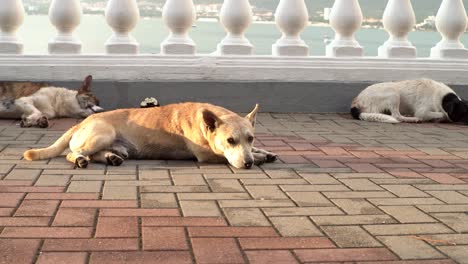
248, 165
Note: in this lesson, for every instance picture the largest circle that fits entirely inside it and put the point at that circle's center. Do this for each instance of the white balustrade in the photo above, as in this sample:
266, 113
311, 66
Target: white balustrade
451, 23
11, 18
122, 16
398, 20
345, 19
236, 17
65, 15
291, 18
179, 16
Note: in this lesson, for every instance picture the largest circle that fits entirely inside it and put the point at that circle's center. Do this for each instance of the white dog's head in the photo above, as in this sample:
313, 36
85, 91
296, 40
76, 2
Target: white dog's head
231, 136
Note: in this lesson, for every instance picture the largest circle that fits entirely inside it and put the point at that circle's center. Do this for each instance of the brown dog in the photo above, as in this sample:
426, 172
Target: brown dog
198, 131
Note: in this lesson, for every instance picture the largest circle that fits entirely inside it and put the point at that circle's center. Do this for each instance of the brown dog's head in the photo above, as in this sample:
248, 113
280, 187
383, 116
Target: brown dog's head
231, 136
88, 103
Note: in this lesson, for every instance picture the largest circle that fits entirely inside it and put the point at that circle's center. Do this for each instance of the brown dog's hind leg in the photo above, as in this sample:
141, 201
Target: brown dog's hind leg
107, 157
79, 160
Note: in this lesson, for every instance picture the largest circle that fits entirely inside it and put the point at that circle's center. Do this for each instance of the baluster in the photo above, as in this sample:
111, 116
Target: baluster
122, 16
236, 16
179, 16
398, 20
345, 19
65, 15
11, 18
451, 24
291, 18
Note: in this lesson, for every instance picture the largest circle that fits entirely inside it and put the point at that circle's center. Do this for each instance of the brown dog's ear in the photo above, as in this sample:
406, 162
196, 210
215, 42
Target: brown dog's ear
252, 117
211, 120
86, 85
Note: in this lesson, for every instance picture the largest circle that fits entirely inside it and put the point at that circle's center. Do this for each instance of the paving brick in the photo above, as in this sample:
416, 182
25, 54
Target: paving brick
359, 254
282, 174
6, 211
295, 226
52, 180
246, 217
119, 193
302, 211
153, 174
404, 201
446, 239
145, 257
85, 186
352, 219
99, 204
16, 183
158, 200
62, 196
18, 250
188, 179
458, 253
407, 214
183, 221
174, 189
92, 244
37, 208
62, 258
444, 178
139, 212
443, 187
309, 199
350, 236
285, 243
443, 208
24, 221
406, 191
75, 217
19, 174
30, 189
232, 232
11, 199
410, 248
270, 256
46, 232
255, 203
407, 229
356, 206
313, 188
456, 221
450, 197
108, 227
200, 208
319, 178
358, 194
227, 186
266, 192
216, 250
371, 175
164, 238
213, 196
363, 167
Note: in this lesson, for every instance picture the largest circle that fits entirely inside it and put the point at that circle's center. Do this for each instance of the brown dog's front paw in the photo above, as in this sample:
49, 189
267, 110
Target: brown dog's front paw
81, 162
43, 122
271, 157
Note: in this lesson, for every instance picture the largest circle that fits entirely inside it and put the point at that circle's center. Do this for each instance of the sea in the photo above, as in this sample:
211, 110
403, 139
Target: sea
150, 32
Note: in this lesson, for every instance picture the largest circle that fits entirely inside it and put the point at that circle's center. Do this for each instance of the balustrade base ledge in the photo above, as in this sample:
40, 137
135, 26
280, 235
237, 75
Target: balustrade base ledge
397, 52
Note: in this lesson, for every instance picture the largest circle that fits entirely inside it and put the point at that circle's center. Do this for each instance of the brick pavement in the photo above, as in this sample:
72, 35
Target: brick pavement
343, 191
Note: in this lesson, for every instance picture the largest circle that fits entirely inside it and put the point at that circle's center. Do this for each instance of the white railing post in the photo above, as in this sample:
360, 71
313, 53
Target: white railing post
345, 19
65, 15
122, 16
291, 18
236, 17
451, 23
398, 20
11, 18
179, 16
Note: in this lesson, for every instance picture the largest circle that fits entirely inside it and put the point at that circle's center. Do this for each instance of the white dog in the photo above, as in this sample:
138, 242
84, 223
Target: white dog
36, 103
411, 101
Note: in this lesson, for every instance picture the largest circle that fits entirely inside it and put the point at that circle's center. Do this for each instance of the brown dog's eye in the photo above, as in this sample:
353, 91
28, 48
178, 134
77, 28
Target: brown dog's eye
231, 141
250, 139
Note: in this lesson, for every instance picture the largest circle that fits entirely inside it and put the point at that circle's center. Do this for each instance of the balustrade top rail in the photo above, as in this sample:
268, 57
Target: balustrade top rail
291, 18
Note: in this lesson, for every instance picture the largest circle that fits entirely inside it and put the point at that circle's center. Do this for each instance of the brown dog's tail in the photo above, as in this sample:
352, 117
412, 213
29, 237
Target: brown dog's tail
54, 150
